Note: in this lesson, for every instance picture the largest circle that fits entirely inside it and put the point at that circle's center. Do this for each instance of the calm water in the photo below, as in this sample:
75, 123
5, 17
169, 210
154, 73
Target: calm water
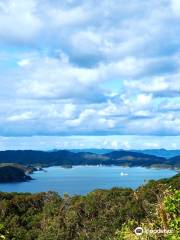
83, 179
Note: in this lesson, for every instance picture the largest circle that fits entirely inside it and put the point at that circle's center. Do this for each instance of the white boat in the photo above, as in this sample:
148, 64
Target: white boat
123, 174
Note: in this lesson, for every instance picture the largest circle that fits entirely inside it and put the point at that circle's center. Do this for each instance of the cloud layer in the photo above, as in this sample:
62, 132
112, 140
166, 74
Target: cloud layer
75, 67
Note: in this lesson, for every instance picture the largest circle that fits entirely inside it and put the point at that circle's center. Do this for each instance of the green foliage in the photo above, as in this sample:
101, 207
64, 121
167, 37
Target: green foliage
2, 237
172, 203
165, 217
100, 215
172, 206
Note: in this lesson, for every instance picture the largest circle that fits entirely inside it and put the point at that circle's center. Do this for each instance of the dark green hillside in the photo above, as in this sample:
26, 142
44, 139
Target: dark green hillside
134, 159
64, 157
100, 215
13, 173
175, 161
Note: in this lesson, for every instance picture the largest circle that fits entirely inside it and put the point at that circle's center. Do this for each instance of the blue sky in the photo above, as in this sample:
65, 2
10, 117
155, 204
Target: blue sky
89, 73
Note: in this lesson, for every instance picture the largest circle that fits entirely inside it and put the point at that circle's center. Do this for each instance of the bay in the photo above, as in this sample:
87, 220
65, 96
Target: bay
83, 179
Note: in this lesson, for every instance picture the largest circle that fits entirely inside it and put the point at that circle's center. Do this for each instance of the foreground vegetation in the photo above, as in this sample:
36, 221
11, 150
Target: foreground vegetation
102, 214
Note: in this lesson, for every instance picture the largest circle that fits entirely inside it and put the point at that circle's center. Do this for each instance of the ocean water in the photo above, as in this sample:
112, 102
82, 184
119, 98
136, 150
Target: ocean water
83, 179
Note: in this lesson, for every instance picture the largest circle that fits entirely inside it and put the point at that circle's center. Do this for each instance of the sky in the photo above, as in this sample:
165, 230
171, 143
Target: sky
89, 73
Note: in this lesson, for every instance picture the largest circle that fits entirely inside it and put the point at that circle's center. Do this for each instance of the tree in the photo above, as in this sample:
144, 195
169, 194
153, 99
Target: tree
164, 222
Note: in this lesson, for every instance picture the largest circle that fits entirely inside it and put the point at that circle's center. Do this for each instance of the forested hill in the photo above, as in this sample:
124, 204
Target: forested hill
175, 160
13, 173
156, 152
100, 215
64, 157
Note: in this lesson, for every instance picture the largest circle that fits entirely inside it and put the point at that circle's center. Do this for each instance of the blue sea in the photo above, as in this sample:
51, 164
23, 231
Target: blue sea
83, 179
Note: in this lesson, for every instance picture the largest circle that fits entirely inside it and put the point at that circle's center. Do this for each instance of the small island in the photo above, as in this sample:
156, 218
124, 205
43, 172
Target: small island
13, 173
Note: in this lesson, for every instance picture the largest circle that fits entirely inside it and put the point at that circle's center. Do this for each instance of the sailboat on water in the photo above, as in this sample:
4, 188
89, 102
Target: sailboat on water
123, 174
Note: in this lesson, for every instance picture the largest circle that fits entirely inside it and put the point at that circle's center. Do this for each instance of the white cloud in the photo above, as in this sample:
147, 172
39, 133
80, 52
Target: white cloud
158, 84
20, 117
73, 142
23, 62
64, 18
87, 43
55, 78
75, 67
143, 99
175, 4
171, 104
18, 20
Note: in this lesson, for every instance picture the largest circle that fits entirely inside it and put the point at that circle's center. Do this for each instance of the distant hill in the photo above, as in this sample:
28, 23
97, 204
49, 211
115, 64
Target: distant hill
160, 152
175, 161
13, 173
135, 158
64, 157
93, 150
156, 152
